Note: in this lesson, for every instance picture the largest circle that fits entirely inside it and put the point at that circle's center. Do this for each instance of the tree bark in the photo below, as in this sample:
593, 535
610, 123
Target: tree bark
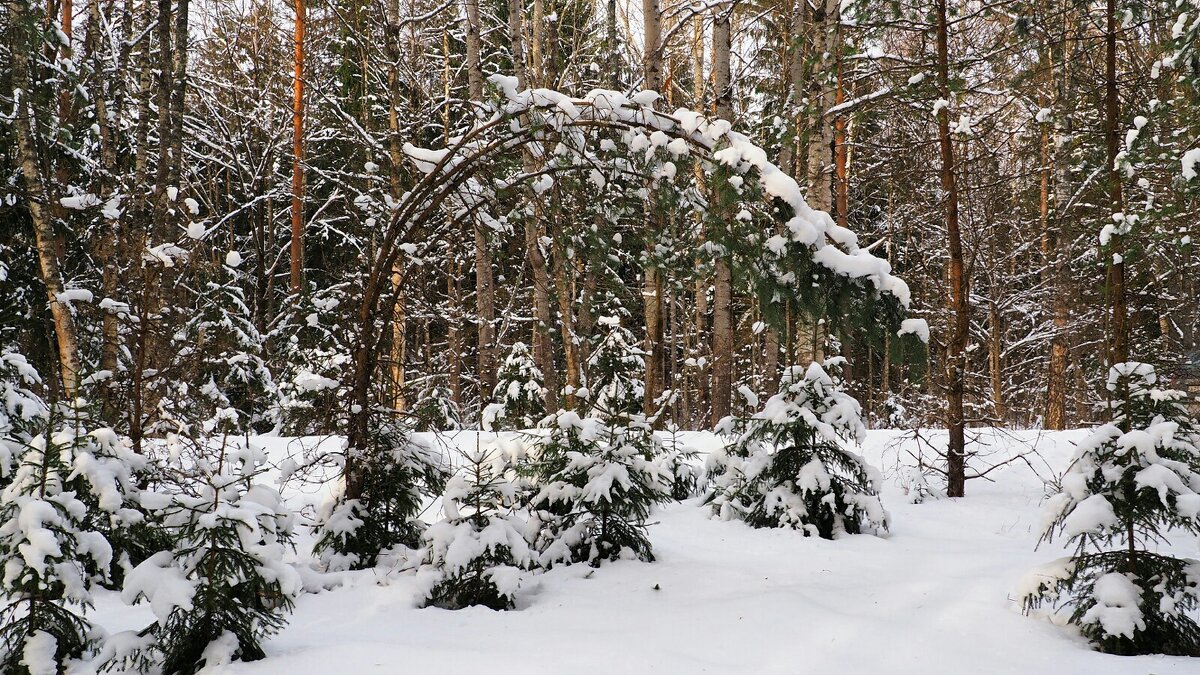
485, 289
956, 346
826, 30
46, 239
1118, 346
722, 329
543, 353
297, 244
652, 301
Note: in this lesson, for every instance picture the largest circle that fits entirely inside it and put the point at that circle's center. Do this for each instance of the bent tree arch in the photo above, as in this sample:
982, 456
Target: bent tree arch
617, 157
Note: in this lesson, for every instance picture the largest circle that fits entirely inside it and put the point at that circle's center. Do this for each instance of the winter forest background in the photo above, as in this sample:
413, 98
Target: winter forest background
525, 274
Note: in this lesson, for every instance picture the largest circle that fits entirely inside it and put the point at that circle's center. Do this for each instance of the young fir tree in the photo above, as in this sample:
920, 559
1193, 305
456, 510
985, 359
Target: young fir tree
680, 462
433, 408
223, 586
615, 383
1130, 482
597, 476
478, 547
787, 466
518, 400
50, 560
399, 474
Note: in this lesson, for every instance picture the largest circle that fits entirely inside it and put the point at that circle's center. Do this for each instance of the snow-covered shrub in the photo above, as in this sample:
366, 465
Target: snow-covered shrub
787, 465
680, 462
22, 412
312, 380
397, 473
433, 408
223, 586
478, 547
105, 476
518, 400
915, 483
597, 481
49, 559
1130, 482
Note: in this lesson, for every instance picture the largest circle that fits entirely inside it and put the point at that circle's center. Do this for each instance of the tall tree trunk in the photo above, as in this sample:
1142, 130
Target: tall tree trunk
399, 341
722, 329
956, 346
297, 249
652, 300
611, 46
543, 353
485, 289
826, 31
1055, 247
37, 198
841, 153
1118, 331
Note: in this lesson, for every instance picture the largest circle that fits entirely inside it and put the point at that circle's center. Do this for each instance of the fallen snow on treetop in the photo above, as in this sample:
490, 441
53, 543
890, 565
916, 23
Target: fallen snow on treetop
833, 246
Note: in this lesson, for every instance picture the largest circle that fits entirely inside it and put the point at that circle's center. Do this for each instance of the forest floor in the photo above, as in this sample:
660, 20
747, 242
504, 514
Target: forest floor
935, 595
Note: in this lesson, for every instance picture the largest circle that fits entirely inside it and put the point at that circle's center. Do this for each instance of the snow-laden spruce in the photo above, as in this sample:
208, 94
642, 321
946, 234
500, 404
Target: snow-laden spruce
597, 476
222, 586
615, 373
1130, 482
681, 463
787, 466
49, 557
598, 481
479, 548
399, 472
518, 400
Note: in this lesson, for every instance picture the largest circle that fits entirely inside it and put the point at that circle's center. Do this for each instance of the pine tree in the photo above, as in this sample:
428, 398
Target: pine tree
434, 408
478, 547
680, 462
615, 384
787, 465
223, 586
597, 483
399, 472
1130, 482
518, 400
597, 476
50, 561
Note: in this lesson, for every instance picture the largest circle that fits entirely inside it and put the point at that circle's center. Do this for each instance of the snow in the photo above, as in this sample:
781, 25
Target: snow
162, 582
1090, 515
1117, 605
38, 654
233, 258
1190, 159
74, 295
938, 594
80, 202
918, 327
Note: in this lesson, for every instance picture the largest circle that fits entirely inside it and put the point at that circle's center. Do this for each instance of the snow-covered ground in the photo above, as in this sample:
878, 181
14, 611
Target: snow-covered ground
935, 595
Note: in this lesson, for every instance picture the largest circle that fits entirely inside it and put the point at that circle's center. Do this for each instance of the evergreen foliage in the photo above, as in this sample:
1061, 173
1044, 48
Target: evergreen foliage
400, 471
518, 400
49, 558
1130, 483
597, 482
787, 465
478, 547
222, 586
